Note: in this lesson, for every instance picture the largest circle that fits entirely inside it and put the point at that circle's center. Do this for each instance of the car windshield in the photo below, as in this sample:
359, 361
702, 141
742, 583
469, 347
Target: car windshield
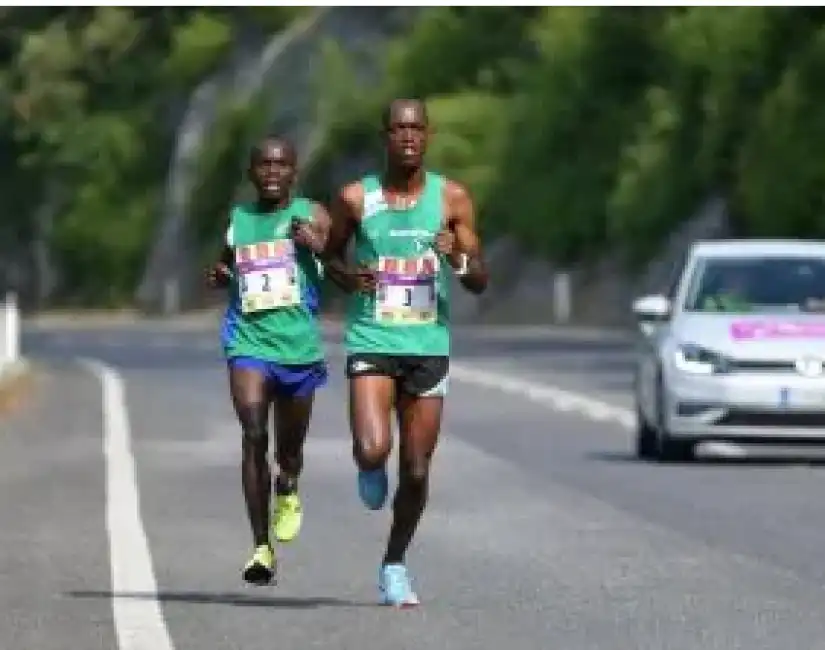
758, 284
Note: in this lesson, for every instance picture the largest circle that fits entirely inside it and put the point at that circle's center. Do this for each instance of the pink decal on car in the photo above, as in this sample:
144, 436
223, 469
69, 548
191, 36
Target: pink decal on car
753, 330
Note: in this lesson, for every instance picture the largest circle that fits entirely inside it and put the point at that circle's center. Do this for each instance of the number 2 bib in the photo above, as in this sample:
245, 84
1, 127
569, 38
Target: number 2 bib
406, 292
268, 276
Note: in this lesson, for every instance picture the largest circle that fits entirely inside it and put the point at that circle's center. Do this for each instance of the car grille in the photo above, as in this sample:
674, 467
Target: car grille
761, 367
745, 418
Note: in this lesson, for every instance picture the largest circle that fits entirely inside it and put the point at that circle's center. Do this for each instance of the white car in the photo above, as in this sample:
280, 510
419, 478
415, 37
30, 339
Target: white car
736, 352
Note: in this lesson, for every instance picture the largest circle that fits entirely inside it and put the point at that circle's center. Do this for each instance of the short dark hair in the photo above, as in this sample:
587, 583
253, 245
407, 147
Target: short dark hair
389, 109
257, 150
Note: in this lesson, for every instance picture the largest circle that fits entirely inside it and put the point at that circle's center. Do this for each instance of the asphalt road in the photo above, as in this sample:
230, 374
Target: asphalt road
543, 532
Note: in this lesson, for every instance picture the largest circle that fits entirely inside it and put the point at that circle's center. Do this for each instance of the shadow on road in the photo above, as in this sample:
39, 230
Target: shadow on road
232, 599
766, 460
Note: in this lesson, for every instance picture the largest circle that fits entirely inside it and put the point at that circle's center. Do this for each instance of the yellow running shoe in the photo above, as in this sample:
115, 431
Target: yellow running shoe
287, 516
260, 570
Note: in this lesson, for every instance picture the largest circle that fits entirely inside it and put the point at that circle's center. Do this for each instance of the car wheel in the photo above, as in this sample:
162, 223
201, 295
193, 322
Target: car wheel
676, 451
646, 446
668, 449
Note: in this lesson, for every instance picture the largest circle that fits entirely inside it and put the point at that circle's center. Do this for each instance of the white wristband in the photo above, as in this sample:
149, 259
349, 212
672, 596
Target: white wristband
464, 266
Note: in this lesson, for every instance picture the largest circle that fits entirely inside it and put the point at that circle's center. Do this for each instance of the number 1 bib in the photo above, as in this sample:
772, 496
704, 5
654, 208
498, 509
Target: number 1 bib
406, 292
268, 276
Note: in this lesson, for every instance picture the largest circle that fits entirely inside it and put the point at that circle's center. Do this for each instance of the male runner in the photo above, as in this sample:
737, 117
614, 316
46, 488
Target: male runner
272, 339
409, 225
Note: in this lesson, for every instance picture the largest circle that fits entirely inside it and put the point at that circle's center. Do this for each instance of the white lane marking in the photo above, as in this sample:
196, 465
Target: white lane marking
557, 398
138, 619
560, 399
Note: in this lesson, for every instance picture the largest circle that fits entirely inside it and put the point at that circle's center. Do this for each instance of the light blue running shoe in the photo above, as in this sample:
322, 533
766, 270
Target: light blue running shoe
394, 585
373, 486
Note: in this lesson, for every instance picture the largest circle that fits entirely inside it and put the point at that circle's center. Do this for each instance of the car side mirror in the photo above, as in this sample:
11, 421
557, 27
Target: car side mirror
650, 311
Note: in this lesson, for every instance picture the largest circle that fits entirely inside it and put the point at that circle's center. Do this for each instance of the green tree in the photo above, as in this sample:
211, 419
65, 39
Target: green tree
86, 95
782, 162
583, 130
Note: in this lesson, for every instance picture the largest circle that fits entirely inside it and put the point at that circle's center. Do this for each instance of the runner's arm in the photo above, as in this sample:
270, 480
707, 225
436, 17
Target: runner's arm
343, 216
219, 273
226, 256
313, 233
320, 224
462, 222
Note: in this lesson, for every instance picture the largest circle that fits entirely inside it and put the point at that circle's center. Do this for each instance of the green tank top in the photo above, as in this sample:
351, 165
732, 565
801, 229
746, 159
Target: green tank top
275, 288
409, 314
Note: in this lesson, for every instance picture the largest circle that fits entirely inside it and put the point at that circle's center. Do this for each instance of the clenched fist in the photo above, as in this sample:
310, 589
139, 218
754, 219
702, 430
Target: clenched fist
445, 242
217, 276
305, 235
362, 279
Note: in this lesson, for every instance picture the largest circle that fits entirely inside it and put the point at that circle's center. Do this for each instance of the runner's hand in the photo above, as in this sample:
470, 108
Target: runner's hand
352, 279
445, 242
364, 279
304, 235
217, 276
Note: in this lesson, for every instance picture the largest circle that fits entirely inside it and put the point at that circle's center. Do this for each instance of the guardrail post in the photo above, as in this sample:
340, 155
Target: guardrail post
171, 296
562, 298
10, 330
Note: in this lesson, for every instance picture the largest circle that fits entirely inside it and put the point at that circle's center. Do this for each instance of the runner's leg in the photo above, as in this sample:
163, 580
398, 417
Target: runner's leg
419, 424
370, 408
420, 407
249, 397
248, 388
293, 392
291, 420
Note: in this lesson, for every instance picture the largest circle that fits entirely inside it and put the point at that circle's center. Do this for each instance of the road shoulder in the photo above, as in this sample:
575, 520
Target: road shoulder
52, 542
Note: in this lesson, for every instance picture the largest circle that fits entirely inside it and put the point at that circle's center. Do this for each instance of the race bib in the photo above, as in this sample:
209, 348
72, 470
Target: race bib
267, 276
406, 292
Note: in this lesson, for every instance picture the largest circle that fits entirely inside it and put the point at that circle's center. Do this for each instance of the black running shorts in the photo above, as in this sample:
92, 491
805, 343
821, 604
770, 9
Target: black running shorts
421, 376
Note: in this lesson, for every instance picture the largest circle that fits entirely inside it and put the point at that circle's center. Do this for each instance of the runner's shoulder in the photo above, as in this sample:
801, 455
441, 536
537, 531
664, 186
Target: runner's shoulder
353, 193
455, 191
351, 197
237, 208
457, 197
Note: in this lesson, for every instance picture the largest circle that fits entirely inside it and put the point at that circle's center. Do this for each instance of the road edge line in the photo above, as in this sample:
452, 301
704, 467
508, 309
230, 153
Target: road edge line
138, 617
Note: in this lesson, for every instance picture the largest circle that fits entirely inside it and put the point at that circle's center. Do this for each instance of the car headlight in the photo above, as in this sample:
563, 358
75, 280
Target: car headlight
697, 360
